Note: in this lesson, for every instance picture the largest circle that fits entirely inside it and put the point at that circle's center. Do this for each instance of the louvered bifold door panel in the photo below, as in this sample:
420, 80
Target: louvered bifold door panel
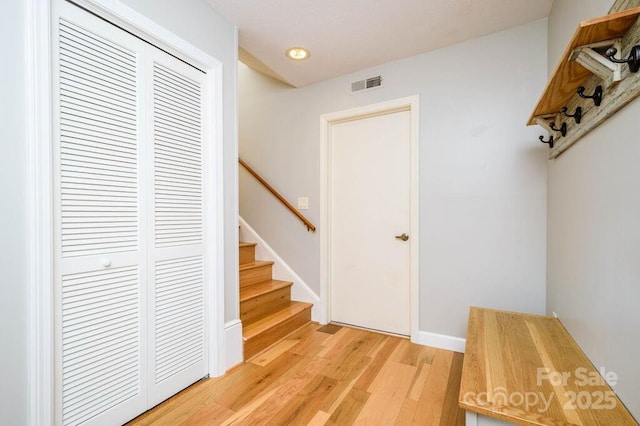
177, 130
98, 145
101, 342
178, 337
179, 315
101, 290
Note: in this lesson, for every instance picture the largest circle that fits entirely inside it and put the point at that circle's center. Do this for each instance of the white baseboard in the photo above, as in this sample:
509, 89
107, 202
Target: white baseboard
441, 341
281, 271
233, 343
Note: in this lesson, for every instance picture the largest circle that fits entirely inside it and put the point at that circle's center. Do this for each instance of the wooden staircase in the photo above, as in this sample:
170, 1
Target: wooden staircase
266, 310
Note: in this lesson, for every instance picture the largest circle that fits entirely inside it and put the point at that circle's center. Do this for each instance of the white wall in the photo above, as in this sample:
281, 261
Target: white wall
482, 172
594, 231
13, 225
200, 25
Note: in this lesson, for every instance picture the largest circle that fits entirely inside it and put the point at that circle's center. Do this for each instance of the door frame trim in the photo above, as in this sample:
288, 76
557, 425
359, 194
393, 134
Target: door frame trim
411, 104
41, 410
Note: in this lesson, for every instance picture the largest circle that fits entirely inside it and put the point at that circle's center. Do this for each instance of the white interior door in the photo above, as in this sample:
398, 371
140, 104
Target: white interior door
370, 206
129, 202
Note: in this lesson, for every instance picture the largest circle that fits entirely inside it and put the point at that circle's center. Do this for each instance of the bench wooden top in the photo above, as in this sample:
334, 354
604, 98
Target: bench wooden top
528, 370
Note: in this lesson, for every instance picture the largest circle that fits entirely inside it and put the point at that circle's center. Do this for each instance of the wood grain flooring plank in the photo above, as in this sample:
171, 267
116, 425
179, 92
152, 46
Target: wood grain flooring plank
399, 352
304, 406
338, 395
450, 409
312, 377
350, 367
282, 395
337, 343
407, 413
376, 365
310, 341
418, 383
352, 359
388, 392
196, 398
349, 408
319, 419
184, 403
395, 377
433, 396
273, 352
252, 385
412, 354
374, 351
416, 355
253, 406
210, 414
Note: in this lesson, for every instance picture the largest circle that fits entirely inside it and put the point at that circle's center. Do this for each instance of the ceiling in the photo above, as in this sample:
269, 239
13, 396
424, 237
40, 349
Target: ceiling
344, 36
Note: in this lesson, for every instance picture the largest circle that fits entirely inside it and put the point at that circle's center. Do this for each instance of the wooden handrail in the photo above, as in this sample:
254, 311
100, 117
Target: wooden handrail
310, 226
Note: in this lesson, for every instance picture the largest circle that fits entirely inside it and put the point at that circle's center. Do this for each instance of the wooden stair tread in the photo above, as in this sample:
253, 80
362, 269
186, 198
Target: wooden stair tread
252, 330
266, 310
256, 264
261, 288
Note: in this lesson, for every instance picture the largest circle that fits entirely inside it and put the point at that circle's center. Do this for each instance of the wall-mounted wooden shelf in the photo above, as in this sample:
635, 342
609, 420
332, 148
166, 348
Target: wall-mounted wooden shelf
569, 75
585, 64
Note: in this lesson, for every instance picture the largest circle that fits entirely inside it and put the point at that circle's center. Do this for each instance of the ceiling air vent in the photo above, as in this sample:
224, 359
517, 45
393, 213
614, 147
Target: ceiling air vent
366, 84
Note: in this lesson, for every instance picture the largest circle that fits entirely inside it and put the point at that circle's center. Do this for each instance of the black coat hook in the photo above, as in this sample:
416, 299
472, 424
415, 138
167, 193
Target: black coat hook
633, 60
562, 129
549, 142
597, 94
576, 115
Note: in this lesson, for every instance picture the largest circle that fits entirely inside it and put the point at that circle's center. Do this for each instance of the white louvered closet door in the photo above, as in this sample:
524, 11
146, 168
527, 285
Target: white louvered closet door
129, 270
177, 273
100, 221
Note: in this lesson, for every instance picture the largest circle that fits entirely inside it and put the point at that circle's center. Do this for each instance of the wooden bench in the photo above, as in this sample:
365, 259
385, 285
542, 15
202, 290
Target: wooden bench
527, 370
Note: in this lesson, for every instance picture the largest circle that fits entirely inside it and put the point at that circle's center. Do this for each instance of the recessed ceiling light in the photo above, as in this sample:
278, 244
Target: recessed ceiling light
297, 53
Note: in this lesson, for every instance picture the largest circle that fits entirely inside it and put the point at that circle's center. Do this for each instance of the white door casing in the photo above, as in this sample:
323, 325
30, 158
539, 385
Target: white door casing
354, 221
132, 199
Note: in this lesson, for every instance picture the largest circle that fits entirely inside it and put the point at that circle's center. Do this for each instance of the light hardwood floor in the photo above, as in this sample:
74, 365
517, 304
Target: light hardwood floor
326, 375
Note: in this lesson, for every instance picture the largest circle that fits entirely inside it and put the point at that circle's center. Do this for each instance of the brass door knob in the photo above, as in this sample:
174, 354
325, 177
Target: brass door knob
403, 237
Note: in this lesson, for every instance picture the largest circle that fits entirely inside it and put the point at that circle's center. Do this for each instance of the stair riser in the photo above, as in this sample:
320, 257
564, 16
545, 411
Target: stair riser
261, 306
247, 254
255, 275
262, 341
